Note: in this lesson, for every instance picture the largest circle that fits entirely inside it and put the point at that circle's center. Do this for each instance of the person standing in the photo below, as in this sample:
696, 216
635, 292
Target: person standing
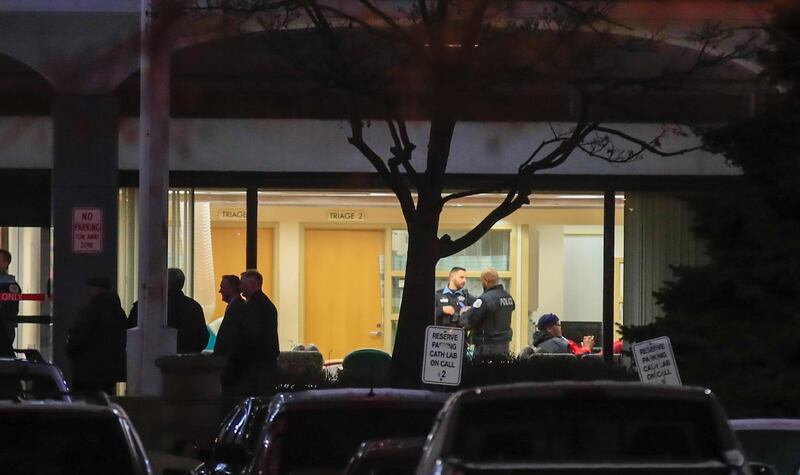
9, 305
185, 315
252, 362
451, 299
490, 317
96, 344
230, 289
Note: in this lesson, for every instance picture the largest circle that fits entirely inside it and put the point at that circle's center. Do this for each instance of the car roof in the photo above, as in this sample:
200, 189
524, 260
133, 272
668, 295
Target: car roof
8, 365
63, 407
399, 445
356, 395
98, 404
582, 390
765, 424
349, 394
11, 362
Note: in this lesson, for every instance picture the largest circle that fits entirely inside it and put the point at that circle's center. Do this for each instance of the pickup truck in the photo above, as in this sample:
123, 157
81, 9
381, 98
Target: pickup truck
594, 428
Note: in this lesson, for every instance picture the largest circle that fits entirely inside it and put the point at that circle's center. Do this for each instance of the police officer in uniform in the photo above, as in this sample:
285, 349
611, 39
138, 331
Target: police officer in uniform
9, 305
490, 317
452, 299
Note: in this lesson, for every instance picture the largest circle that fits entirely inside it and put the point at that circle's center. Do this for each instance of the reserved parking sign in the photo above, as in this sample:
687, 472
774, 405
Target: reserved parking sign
656, 363
444, 352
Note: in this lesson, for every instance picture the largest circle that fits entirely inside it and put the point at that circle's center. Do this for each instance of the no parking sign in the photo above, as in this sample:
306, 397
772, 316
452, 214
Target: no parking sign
87, 230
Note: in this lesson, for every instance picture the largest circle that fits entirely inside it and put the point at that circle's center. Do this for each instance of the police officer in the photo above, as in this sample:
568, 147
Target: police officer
490, 317
452, 299
9, 305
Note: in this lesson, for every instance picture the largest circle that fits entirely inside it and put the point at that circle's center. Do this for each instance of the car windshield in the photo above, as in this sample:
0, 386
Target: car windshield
583, 431
31, 386
243, 425
779, 448
323, 440
62, 444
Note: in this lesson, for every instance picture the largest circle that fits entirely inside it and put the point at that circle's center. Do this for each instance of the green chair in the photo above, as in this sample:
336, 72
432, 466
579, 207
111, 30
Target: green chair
367, 367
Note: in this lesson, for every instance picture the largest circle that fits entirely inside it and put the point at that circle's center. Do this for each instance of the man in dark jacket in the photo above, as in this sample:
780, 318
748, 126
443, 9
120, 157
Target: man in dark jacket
549, 338
183, 314
490, 317
451, 299
9, 305
97, 340
230, 289
252, 363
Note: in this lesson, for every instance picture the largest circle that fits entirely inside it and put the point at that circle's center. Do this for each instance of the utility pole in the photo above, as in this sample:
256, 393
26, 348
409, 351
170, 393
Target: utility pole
152, 338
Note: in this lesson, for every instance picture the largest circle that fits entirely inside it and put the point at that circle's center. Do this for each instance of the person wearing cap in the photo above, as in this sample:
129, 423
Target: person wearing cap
489, 318
451, 299
549, 339
96, 344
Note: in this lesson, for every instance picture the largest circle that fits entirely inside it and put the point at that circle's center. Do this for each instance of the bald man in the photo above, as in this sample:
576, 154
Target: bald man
490, 317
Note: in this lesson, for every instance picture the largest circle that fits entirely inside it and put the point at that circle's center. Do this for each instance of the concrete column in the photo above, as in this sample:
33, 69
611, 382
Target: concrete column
152, 338
85, 183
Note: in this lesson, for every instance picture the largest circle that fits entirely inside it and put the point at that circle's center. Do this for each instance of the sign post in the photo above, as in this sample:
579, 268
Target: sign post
655, 362
87, 230
444, 353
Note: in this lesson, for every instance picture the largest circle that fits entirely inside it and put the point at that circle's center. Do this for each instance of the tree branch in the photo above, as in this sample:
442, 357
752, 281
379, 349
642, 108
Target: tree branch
423, 10
538, 149
499, 186
394, 33
517, 195
402, 149
644, 146
471, 33
402, 32
514, 200
393, 180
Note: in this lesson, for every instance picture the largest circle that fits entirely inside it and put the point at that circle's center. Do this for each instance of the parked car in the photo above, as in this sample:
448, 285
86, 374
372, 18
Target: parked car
386, 457
319, 431
582, 427
29, 376
68, 438
234, 445
772, 442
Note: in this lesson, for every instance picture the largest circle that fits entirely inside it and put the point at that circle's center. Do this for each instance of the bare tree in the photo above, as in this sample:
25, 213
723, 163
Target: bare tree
441, 60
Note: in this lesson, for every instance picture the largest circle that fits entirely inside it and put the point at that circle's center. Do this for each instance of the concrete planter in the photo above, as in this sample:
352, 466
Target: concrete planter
190, 376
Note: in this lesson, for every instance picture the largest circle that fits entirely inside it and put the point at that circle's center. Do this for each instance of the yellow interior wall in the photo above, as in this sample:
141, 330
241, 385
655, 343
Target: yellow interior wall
293, 220
229, 246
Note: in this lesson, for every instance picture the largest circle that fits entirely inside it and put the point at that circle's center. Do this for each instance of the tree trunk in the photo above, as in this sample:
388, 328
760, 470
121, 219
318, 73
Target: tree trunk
416, 310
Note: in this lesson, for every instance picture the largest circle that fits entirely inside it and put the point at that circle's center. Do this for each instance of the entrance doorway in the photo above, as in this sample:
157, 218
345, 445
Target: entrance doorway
342, 290
30, 264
